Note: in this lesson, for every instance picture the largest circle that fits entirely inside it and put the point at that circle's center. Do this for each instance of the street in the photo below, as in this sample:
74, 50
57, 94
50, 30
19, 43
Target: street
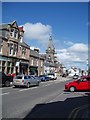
48, 100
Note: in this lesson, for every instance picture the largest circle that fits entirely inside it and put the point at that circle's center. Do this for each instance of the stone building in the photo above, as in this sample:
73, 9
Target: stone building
14, 52
36, 62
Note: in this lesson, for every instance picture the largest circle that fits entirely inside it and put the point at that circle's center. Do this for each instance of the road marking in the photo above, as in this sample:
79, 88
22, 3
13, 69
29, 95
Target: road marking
48, 84
28, 89
5, 93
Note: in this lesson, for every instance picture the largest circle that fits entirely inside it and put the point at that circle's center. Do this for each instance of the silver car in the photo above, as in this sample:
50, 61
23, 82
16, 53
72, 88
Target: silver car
25, 80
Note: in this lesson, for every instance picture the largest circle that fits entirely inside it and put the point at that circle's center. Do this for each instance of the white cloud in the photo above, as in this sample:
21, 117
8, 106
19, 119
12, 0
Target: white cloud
79, 47
37, 31
75, 55
68, 43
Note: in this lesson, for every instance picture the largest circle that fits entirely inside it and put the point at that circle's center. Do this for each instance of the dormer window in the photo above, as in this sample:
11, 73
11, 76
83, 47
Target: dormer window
12, 33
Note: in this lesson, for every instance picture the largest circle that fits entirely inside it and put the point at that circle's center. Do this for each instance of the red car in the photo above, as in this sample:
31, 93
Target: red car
82, 83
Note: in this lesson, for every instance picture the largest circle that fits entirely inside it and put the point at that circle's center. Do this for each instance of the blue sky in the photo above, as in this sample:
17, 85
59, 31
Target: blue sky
67, 22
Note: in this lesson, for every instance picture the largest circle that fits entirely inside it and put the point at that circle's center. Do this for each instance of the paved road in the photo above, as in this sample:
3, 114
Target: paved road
44, 101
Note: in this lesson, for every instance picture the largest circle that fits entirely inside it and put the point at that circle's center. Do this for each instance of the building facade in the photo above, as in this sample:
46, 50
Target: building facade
36, 63
14, 52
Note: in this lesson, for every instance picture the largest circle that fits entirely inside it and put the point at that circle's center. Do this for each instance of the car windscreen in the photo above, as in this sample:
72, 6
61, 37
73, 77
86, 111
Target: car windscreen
18, 77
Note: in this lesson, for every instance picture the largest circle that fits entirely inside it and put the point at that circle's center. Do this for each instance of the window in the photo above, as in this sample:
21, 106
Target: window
15, 50
37, 63
9, 64
25, 77
23, 52
41, 63
3, 63
0, 49
31, 62
0, 63
12, 33
29, 77
11, 49
16, 34
21, 39
18, 77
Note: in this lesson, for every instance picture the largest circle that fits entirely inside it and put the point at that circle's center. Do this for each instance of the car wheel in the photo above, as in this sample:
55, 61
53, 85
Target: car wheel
7, 83
28, 85
15, 86
72, 89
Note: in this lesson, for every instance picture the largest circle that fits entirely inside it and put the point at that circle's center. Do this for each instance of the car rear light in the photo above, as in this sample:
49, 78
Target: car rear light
22, 81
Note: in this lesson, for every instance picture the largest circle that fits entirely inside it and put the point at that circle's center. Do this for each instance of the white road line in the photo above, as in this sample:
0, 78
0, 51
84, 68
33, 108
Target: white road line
47, 84
27, 89
5, 93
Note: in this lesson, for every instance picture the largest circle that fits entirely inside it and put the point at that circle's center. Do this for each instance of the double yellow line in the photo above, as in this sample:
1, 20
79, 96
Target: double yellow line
73, 115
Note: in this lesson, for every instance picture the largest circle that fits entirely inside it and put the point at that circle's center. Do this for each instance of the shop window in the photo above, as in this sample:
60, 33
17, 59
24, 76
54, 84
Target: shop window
12, 70
9, 64
12, 63
3, 63
8, 70
0, 63
3, 69
0, 68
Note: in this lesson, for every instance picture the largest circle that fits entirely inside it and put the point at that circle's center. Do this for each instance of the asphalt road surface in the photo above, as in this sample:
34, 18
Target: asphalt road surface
48, 100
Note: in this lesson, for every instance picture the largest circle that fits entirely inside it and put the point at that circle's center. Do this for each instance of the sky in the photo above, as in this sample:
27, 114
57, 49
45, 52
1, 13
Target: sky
66, 22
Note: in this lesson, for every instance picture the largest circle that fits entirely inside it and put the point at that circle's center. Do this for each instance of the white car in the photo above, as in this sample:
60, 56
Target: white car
52, 76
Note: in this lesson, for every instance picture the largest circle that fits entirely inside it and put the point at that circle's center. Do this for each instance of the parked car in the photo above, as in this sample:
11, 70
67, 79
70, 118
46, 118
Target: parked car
44, 78
82, 83
5, 80
52, 76
64, 75
37, 78
25, 80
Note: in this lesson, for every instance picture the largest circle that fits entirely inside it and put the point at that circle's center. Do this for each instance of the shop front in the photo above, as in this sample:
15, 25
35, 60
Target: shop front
33, 70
